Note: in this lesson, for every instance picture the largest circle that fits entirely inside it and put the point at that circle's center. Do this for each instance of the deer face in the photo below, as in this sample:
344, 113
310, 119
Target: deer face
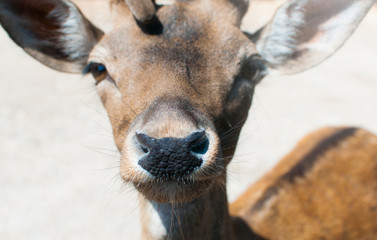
178, 89
171, 96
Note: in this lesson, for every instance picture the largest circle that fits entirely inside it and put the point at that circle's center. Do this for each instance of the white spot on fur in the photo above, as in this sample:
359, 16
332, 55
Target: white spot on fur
156, 227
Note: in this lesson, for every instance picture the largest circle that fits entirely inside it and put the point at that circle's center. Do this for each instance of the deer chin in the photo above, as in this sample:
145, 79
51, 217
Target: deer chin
176, 191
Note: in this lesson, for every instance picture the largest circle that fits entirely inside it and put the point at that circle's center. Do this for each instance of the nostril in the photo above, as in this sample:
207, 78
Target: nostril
145, 142
200, 146
144, 149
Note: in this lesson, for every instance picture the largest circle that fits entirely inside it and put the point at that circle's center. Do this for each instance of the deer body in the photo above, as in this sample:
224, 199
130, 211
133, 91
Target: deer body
327, 184
177, 82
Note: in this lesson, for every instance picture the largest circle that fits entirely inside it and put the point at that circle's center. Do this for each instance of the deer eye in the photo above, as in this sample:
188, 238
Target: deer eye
253, 69
97, 70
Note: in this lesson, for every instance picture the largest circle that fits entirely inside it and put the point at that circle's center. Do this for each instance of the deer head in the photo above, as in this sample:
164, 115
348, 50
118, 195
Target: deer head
177, 80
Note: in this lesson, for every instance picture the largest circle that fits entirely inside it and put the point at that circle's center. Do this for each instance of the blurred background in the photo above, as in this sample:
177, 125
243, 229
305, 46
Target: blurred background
58, 163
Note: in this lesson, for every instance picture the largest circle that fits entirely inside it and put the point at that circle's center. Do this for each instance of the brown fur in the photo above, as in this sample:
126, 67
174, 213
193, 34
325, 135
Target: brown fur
189, 68
335, 198
143, 10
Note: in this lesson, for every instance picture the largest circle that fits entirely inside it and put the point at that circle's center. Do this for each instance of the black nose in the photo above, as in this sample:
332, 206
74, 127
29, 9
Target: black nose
172, 157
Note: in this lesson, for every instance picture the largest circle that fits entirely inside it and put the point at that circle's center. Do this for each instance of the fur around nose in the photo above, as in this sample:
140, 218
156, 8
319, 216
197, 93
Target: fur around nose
172, 157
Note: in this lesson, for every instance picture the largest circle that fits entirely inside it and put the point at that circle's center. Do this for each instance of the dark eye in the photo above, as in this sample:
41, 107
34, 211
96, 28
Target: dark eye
253, 69
97, 70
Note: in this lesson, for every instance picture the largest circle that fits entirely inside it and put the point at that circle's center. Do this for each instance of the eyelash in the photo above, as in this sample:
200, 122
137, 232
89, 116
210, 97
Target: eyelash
97, 70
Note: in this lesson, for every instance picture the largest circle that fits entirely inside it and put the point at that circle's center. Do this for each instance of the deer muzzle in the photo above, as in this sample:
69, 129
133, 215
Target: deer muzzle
174, 148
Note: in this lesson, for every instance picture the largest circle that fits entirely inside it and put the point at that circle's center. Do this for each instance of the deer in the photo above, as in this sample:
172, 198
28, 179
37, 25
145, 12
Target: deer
177, 82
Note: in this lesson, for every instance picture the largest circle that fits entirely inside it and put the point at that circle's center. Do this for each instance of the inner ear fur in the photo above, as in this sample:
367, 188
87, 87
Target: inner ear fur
303, 33
54, 32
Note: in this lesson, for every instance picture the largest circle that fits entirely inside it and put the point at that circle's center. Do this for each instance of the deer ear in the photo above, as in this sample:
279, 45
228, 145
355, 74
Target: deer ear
303, 33
52, 31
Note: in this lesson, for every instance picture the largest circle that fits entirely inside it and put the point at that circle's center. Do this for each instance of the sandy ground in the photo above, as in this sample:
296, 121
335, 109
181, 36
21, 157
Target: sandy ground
58, 164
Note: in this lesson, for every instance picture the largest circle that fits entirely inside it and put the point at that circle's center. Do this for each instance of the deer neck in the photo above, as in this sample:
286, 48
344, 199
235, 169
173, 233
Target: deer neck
204, 218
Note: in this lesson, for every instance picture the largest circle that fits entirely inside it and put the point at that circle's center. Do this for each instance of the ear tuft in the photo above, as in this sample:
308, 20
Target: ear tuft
282, 43
303, 33
52, 31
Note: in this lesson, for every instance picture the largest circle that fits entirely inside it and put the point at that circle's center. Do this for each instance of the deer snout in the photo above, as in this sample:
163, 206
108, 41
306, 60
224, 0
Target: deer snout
172, 153
171, 145
172, 158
